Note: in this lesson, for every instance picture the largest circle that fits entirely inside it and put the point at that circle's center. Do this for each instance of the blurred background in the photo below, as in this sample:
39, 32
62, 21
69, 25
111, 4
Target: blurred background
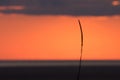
48, 29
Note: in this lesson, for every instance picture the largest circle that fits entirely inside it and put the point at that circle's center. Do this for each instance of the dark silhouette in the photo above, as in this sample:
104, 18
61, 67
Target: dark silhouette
81, 50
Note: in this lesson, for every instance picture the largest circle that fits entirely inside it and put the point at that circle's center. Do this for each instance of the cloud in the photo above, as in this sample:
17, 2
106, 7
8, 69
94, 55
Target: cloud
62, 7
11, 8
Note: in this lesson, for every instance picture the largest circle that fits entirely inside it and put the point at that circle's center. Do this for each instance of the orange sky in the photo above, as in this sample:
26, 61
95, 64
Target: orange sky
25, 37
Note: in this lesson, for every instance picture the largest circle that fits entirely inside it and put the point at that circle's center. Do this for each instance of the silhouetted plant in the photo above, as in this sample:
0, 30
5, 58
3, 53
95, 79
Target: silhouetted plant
81, 51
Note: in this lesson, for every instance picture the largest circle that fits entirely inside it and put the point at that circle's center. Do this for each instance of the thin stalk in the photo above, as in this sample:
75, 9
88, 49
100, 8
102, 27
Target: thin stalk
81, 51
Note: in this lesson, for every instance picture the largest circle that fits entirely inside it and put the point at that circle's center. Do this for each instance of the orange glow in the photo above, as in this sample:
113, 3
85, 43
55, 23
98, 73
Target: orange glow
16, 7
11, 7
58, 38
115, 3
2, 8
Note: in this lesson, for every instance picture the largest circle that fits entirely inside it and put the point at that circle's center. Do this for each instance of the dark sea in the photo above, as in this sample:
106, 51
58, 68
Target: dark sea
59, 70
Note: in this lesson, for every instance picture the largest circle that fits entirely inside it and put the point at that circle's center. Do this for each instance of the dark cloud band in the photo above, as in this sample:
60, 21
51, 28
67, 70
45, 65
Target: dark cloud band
62, 7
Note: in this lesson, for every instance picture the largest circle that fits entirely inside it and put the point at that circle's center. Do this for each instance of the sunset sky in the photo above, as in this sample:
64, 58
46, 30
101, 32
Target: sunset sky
48, 29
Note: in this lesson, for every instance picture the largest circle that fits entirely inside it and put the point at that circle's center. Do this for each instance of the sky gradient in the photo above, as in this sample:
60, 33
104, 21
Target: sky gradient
48, 30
